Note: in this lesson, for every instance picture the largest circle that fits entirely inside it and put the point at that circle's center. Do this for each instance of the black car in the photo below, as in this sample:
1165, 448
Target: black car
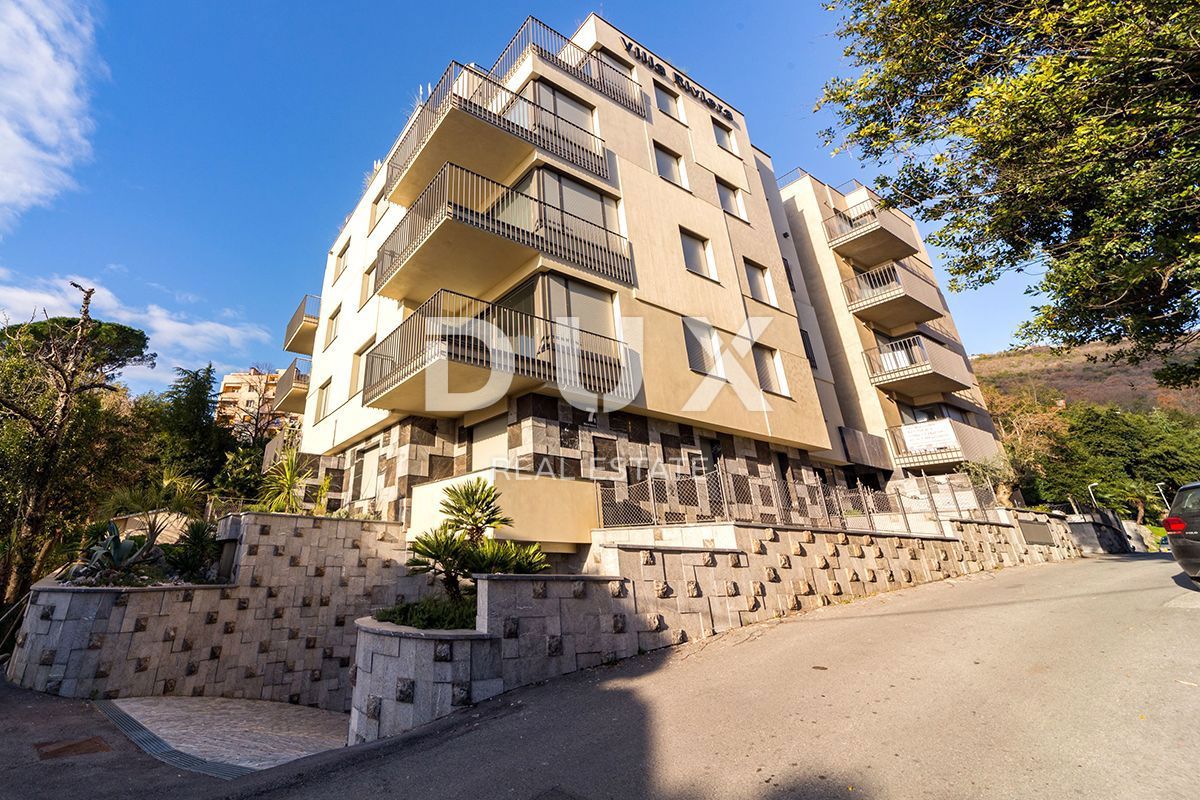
1183, 529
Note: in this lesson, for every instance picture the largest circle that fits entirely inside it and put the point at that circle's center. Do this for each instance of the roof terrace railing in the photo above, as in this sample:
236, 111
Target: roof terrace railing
458, 194
550, 45
470, 331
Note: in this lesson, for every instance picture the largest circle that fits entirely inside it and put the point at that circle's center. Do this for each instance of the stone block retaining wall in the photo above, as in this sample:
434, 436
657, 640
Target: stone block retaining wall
283, 629
649, 595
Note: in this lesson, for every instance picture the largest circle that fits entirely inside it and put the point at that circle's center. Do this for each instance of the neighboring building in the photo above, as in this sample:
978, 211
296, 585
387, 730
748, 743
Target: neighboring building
585, 178
246, 404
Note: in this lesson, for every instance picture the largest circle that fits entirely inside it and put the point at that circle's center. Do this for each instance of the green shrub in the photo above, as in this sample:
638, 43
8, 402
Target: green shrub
434, 612
194, 552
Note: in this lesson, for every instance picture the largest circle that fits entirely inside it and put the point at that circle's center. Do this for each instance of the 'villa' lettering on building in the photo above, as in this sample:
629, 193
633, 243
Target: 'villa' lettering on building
641, 54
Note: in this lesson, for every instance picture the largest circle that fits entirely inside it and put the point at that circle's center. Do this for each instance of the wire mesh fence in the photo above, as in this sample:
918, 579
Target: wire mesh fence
718, 496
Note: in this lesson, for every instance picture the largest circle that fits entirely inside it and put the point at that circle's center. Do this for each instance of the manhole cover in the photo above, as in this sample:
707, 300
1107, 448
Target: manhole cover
71, 747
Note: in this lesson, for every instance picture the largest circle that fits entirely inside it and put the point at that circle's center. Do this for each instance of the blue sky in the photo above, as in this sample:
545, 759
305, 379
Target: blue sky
194, 160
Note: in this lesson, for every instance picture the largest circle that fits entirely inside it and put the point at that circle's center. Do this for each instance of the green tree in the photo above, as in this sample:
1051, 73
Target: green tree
242, 475
191, 439
473, 508
1060, 137
50, 371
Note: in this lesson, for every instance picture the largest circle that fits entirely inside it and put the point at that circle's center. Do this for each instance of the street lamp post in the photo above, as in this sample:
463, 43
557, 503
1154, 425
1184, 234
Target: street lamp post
1162, 494
1093, 494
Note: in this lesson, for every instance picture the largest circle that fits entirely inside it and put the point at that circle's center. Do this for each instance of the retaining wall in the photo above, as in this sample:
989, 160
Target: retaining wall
282, 629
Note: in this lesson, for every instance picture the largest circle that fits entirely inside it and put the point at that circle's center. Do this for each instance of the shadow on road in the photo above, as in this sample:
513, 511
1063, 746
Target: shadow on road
1185, 581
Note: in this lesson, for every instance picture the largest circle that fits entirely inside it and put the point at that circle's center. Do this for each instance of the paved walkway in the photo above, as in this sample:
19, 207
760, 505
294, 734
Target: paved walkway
251, 734
1079, 679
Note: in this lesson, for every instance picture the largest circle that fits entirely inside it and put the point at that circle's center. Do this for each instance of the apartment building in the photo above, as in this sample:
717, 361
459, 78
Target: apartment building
246, 402
908, 395
574, 271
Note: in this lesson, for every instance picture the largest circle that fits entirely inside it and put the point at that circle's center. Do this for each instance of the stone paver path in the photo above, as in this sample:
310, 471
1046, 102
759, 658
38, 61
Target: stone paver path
247, 733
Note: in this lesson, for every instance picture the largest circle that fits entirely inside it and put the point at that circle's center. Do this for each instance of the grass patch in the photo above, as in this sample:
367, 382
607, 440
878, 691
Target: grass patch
434, 612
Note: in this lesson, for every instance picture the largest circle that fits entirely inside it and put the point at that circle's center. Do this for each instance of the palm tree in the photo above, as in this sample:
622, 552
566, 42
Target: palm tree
472, 508
283, 484
443, 553
155, 504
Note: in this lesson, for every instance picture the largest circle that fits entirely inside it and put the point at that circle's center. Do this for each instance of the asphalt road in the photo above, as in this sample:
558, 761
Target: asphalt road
1066, 680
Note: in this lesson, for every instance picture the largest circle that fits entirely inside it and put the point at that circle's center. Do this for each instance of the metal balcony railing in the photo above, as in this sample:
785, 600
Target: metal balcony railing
841, 222
294, 379
893, 277
477, 93
552, 46
307, 313
914, 356
458, 194
941, 441
475, 332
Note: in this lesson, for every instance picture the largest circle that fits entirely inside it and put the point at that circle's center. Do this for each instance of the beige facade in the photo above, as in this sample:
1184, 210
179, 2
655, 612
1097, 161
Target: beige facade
587, 239
248, 401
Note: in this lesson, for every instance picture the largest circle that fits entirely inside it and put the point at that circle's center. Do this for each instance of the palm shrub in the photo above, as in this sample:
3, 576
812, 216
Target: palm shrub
283, 484
443, 553
472, 508
194, 552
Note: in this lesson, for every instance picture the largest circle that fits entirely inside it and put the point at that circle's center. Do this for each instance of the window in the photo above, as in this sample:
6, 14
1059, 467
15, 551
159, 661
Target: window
787, 270
667, 101
760, 283
378, 206
769, 369
724, 137
331, 327
614, 62
669, 164
323, 400
548, 96
731, 199
808, 348
339, 264
590, 307
703, 346
368, 285
358, 373
697, 254
580, 201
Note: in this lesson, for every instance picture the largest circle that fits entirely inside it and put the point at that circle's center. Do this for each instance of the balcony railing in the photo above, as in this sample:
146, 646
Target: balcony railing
870, 233
302, 327
292, 388
843, 221
894, 277
897, 293
920, 362
475, 332
477, 93
550, 45
465, 197
940, 441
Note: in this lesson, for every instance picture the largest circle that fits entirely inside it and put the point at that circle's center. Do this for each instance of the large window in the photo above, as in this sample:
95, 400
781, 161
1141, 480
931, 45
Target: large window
769, 368
724, 137
697, 254
614, 62
670, 165
589, 306
731, 199
703, 347
560, 104
760, 283
580, 201
667, 101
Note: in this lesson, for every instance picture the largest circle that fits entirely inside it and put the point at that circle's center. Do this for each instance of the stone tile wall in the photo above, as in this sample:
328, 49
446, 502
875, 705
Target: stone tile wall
283, 629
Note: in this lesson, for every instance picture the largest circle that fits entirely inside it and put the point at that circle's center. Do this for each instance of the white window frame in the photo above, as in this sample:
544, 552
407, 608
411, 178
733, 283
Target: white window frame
704, 334
332, 324
675, 110
733, 148
775, 363
739, 205
340, 262
322, 403
682, 183
768, 284
709, 261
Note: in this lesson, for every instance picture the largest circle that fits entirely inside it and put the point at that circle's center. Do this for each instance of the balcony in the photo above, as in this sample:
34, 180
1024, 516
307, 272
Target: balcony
292, 389
471, 340
893, 295
940, 442
869, 233
471, 119
302, 327
537, 40
487, 230
917, 366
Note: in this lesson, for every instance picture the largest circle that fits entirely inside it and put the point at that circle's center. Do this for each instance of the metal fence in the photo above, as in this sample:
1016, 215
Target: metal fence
718, 496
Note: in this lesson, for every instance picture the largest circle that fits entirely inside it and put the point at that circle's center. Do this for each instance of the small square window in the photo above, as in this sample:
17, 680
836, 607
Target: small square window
724, 137
769, 369
702, 345
667, 102
759, 282
731, 199
697, 254
670, 165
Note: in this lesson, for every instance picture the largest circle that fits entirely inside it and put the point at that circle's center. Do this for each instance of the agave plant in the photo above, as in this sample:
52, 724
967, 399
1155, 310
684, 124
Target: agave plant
473, 508
113, 552
443, 553
283, 484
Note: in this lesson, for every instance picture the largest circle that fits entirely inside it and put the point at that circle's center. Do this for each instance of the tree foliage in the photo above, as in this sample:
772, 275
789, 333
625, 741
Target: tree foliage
1058, 137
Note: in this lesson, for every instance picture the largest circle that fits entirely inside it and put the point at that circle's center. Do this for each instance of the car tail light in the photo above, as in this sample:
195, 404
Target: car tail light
1174, 525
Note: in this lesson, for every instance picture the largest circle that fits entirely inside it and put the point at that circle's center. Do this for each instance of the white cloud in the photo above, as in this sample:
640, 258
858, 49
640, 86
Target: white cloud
180, 340
47, 56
